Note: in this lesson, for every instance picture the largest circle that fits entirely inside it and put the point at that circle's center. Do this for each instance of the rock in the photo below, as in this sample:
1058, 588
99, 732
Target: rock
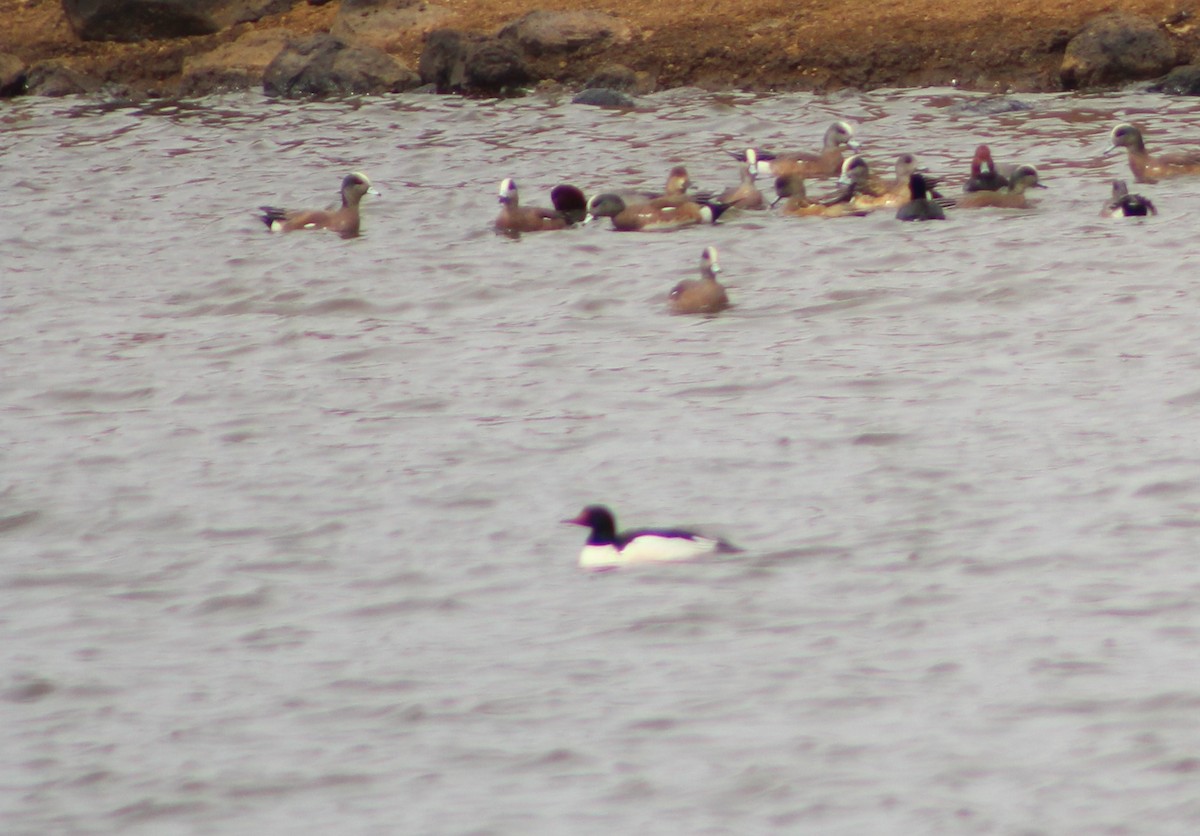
455, 62
494, 67
604, 97
53, 78
384, 23
620, 77
1181, 81
550, 33
14, 80
136, 20
233, 66
1114, 49
990, 106
443, 62
321, 65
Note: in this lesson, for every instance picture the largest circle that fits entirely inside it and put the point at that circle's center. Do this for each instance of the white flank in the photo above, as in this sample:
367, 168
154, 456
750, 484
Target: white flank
647, 548
277, 226
706, 214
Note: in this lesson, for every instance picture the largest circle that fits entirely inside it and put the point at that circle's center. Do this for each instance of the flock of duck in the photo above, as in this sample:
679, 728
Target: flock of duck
910, 192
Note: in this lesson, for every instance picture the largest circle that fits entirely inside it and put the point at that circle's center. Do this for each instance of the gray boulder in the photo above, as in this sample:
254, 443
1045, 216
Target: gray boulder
454, 62
1181, 81
322, 65
1114, 49
494, 67
13, 77
384, 23
542, 33
54, 78
604, 97
136, 20
233, 66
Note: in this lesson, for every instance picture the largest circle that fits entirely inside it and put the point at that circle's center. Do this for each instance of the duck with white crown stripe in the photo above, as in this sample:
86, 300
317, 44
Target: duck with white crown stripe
607, 549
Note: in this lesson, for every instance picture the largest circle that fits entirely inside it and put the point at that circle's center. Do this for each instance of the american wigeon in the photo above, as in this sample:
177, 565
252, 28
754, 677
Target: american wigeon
790, 188
515, 218
345, 220
745, 195
861, 188
985, 177
662, 213
570, 202
919, 207
1149, 168
678, 183
704, 295
1122, 204
607, 549
1011, 197
824, 163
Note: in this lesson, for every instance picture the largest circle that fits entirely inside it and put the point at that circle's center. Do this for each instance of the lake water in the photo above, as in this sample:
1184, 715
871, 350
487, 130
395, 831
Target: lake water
280, 531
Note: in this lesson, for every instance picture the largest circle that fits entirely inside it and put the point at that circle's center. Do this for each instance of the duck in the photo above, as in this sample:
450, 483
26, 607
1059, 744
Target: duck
704, 295
1122, 204
745, 195
570, 202
1145, 167
663, 213
678, 183
1011, 197
607, 549
863, 188
790, 188
919, 207
984, 175
345, 220
824, 163
515, 218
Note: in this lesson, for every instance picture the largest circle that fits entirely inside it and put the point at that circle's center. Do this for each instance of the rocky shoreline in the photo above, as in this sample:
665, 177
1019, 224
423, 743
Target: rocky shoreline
304, 48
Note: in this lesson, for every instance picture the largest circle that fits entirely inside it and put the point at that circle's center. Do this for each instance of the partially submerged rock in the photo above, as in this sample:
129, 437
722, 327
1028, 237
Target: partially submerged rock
1181, 81
13, 76
55, 78
604, 97
1114, 49
322, 65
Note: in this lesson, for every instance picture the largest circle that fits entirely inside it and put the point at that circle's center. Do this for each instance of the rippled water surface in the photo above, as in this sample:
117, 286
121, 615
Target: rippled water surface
279, 534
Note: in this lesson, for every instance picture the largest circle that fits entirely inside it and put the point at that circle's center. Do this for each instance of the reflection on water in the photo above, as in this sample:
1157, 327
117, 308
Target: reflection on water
279, 526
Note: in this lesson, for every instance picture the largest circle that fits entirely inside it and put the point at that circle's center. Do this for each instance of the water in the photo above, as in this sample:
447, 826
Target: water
280, 532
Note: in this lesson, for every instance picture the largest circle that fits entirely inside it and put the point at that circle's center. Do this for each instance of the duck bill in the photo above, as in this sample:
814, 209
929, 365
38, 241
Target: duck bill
576, 521
1111, 149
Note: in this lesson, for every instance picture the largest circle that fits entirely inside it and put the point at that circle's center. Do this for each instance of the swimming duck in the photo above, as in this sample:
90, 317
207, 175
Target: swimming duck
704, 295
745, 195
662, 213
1145, 167
345, 221
920, 207
515, 218
1122, 204
824, 163
1011, 197
606, 549
678, 183
790, 188
570, 202
984, 175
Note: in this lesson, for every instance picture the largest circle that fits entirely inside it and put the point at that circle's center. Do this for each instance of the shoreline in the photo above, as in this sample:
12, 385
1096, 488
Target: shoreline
758, 45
